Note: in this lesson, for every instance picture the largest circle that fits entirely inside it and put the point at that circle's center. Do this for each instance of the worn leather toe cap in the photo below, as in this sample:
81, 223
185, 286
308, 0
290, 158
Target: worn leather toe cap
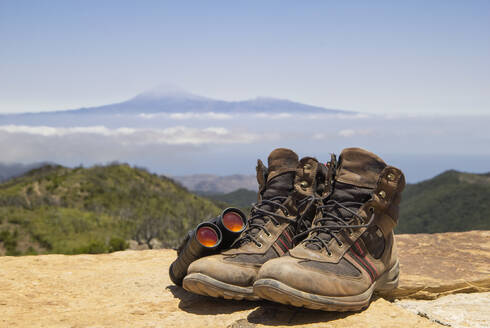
218, 268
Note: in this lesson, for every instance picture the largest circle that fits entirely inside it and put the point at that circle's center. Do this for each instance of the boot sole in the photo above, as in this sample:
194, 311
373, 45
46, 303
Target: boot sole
276, 291
201, 284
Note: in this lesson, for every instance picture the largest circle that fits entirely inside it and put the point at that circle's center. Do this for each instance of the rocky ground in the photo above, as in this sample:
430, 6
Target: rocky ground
132, 289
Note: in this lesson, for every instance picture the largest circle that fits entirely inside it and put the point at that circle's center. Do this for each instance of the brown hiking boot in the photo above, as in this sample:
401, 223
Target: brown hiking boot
350, 250
286, 206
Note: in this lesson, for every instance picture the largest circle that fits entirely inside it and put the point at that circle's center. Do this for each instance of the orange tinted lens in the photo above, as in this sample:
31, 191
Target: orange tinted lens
233, 221
207, 236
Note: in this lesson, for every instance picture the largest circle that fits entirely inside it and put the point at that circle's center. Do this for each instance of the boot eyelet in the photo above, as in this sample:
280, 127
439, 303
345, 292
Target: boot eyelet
371, 209
304, 185
268, 234
382, 194
259, 245
329, 254
341, 245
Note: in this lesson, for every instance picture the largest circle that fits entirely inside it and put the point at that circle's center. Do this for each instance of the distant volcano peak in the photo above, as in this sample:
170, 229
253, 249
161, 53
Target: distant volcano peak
166, 91
172, 99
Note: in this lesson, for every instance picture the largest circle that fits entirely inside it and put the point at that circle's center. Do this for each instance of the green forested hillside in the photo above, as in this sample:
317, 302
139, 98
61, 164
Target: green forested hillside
55, 209
451, 201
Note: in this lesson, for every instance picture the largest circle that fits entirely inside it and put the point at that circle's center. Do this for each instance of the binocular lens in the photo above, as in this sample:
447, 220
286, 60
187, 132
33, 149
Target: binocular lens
207, 236
233, 221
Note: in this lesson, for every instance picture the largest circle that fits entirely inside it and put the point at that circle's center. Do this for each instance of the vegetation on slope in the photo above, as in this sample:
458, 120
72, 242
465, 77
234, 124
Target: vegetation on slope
55, 209
451, 201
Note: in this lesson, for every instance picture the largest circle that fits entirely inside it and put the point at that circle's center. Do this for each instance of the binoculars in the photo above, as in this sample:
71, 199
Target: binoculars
207, 238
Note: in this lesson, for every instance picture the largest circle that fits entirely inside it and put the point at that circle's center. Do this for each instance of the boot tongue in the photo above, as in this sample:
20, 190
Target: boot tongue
356, 177
280, 178
275, 180
281, 185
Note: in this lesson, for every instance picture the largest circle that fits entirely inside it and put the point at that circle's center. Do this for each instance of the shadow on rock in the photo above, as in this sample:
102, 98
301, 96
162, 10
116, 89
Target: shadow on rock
272, 314
205, 305
265, 312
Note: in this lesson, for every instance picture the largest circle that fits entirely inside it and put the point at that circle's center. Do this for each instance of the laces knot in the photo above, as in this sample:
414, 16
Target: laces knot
337, 216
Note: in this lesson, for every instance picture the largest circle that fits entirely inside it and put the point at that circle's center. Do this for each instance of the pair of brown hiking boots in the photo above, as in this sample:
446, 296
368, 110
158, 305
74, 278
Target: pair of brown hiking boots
320, 236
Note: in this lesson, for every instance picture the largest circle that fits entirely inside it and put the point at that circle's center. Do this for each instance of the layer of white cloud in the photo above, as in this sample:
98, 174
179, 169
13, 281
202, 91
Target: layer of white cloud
344, 133
274, 116
353, 132
48, 131
181, 145
173, 135
187, 116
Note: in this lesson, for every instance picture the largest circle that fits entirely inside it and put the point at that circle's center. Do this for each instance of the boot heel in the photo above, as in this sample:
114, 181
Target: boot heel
388, 280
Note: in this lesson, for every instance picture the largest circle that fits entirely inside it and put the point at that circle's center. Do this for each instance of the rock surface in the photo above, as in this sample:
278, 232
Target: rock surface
434, 265
457, 310
132, 289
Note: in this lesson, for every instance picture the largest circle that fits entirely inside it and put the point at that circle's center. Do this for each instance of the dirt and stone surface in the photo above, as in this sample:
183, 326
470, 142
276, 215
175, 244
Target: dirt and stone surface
445, 281
455, 310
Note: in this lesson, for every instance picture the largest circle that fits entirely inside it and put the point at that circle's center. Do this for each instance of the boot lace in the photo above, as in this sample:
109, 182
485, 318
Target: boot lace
259, 216
329, 226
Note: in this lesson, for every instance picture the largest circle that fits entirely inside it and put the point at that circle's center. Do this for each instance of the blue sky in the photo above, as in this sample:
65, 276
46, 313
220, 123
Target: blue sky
367, 56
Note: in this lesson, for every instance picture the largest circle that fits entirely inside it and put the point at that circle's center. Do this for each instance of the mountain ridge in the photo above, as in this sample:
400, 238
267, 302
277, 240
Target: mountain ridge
179, 101
12, 170
198, 104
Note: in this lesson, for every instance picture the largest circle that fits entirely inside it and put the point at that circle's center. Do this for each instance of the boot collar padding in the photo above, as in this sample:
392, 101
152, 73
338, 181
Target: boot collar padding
280, 160
359, 167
